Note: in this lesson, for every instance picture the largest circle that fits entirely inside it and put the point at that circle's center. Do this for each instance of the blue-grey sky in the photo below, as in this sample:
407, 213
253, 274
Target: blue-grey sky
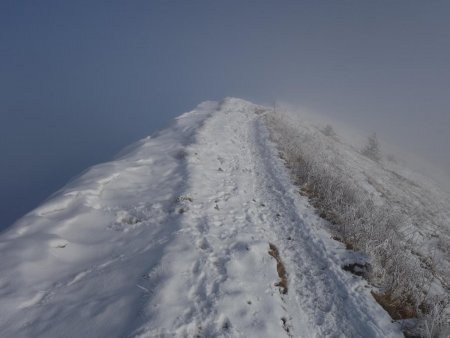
81, 79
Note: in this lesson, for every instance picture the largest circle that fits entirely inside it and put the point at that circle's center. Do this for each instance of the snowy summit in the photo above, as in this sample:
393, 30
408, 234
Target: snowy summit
196, 231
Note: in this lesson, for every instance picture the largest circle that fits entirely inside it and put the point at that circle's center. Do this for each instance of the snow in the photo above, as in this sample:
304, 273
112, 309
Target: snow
171, 239
422, 201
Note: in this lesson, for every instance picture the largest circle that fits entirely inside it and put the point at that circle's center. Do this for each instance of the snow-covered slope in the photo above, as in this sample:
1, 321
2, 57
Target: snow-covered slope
196, 231
422, 204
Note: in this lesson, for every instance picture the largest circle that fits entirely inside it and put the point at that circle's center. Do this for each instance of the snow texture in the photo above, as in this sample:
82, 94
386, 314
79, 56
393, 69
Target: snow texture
171, 239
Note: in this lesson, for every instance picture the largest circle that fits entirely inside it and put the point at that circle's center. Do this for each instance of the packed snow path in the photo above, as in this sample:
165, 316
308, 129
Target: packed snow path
172, 240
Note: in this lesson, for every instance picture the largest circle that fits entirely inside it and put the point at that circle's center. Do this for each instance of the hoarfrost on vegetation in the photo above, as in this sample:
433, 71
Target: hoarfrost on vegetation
199, 231
369, 215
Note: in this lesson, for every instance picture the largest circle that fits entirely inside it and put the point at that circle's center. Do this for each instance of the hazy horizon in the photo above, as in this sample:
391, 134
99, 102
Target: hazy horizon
81, 80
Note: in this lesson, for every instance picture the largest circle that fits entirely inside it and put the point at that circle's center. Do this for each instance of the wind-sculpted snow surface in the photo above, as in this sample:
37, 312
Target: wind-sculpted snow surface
172, 240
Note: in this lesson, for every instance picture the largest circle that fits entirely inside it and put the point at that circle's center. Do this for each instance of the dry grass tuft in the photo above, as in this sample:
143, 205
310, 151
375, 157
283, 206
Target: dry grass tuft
283, 283
396, 309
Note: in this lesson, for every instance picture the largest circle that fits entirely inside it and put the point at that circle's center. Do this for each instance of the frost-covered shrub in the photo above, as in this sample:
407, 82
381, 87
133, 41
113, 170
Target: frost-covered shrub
436, 322
328, 130
372, 148
362, 225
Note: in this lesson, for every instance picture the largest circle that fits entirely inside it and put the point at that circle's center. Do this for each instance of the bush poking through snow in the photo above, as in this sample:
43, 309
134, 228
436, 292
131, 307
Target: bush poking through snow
372, 148
184, 198
328, 130
437, 321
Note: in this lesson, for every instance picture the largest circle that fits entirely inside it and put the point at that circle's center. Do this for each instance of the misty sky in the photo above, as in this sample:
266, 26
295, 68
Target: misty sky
81, 79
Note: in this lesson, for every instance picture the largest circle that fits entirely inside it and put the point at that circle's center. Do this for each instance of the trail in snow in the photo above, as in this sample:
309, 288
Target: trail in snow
173, 239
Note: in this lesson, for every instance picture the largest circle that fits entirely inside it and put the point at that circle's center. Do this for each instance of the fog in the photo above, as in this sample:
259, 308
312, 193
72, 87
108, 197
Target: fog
80, 80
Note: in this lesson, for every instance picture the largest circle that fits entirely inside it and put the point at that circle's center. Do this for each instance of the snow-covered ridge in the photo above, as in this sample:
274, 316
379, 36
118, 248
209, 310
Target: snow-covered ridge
172, 239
